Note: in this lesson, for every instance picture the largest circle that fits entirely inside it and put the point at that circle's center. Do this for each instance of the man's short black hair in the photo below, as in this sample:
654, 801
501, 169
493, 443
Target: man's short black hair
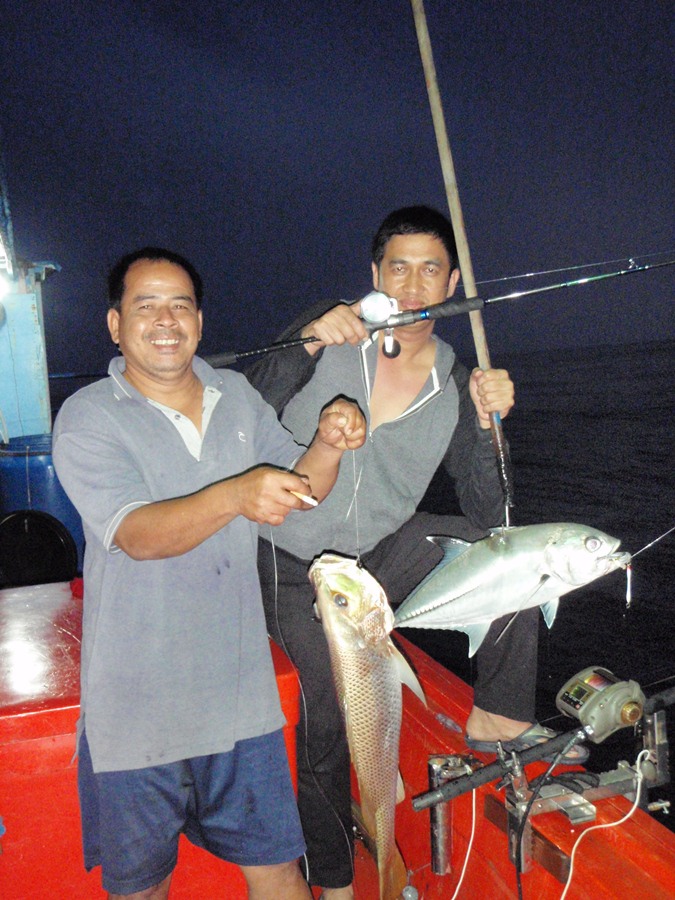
118, 273
415, 220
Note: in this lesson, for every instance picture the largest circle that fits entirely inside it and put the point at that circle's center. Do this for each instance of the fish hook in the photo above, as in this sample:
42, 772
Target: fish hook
629, 566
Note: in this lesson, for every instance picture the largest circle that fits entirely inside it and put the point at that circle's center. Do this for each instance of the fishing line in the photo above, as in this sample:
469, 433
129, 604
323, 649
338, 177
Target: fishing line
285, 648
355, 502
642, 755
655, 541
310, 768
470, 845
659, 681
28, 494
517, 612
523, 822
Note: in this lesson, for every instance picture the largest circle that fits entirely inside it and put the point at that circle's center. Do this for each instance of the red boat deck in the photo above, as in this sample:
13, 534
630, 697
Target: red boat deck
41, 859
41, 852
635, 860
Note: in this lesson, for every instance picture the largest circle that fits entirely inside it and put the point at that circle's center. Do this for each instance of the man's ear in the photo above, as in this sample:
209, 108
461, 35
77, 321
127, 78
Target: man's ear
452, 283
376, 276
114, 325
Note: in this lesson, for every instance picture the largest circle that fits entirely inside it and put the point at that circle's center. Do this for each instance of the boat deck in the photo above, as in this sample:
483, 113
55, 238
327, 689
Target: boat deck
40, 631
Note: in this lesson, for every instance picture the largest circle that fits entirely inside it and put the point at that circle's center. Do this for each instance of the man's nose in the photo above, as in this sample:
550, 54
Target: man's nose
166, 317
413, 281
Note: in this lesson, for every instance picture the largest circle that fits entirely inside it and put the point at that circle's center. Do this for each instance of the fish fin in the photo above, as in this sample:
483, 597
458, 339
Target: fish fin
452, 547
394, 877
368, 812
407, 676
400, 788
507, 626
476, 633
549, 611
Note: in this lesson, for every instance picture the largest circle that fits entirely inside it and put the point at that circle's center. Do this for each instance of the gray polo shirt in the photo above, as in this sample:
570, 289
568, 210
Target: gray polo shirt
175, 654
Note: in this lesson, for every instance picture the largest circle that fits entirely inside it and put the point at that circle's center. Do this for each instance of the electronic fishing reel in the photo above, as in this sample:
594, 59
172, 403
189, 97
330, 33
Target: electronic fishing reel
601, 702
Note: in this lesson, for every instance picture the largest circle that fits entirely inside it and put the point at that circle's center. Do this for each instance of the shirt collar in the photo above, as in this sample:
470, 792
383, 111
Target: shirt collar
122, 389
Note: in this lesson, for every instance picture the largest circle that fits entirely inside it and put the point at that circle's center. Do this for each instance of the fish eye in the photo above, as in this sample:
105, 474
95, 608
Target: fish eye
340, 600
592, 544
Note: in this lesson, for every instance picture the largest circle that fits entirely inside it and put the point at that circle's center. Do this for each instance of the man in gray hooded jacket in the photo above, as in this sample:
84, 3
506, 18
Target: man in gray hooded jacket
423, 410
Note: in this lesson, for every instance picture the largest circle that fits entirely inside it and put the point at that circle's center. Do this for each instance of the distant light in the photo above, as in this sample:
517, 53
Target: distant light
7, 285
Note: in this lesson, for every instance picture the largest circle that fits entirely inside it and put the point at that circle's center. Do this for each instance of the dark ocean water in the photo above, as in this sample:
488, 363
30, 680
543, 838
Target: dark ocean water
592, 440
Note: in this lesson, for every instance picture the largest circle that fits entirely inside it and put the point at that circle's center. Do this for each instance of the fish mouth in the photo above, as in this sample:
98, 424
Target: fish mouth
619, 559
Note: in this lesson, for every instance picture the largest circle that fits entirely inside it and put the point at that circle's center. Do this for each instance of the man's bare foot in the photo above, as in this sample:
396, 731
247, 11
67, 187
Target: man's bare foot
486, 726
343, 893
484, 729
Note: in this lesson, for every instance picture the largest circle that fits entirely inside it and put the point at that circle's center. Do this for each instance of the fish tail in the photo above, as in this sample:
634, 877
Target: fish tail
393, 876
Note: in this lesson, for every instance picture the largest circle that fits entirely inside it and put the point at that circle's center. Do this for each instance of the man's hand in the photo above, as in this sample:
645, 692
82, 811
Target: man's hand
491, 391
342, 425
340, 325
266, 495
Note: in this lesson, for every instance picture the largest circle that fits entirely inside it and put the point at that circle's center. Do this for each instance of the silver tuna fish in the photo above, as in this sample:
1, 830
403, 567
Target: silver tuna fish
367, 671
512, 569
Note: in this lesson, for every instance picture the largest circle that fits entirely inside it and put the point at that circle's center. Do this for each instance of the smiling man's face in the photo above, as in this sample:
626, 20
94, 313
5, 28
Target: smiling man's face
158, 326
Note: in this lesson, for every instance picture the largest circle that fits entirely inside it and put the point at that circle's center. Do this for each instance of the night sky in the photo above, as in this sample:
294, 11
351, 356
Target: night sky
266, 141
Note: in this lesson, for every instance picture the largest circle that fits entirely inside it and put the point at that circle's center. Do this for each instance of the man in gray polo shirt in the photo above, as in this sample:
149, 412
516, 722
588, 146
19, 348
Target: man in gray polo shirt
172, 466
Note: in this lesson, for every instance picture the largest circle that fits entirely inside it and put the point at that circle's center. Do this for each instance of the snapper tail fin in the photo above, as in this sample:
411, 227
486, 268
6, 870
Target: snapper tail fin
393, 876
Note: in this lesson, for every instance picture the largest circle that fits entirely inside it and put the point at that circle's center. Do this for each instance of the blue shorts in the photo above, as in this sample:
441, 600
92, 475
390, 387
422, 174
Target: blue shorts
131, 820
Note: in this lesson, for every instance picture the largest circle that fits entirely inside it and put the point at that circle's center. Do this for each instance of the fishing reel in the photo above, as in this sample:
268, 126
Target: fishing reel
601, 702
376, 309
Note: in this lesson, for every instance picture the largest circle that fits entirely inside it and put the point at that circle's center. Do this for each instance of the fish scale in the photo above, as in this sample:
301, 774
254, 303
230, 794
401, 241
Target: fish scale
366, 666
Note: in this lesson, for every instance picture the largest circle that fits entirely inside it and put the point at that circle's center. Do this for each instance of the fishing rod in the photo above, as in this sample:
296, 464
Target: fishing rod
594, 265
461, 240
448, 308
587, 280
606, 707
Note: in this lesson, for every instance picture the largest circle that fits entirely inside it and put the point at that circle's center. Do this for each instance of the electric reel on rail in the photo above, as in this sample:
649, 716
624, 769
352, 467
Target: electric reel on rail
601, 702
